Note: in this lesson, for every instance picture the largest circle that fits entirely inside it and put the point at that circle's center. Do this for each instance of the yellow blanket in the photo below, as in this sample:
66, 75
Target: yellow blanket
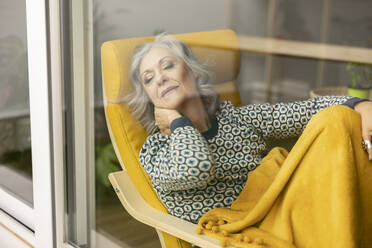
318, 195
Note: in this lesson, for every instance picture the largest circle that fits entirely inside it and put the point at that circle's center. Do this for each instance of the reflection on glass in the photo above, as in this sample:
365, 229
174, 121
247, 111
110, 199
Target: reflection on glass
350, 23
15, 140
112, 20
291, 78
295, 20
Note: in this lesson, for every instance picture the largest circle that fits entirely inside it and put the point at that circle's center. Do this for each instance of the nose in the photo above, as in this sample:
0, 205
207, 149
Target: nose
162, 78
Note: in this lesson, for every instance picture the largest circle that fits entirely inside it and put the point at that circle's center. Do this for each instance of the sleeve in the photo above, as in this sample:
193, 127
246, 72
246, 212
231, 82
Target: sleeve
180, 161
354, 101
283, 120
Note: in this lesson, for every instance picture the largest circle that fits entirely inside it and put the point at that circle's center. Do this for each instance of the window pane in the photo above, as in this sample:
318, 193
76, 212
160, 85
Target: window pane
291, 78
350, 23
15, 140
112, 20
262, 77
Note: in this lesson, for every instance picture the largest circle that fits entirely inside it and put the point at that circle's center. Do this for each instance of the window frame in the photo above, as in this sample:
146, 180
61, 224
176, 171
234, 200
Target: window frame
41, 225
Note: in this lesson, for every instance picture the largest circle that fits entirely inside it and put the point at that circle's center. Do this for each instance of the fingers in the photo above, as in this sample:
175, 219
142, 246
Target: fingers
166, 131
365, 111
367, 139
162, 126
163, 119
369, 148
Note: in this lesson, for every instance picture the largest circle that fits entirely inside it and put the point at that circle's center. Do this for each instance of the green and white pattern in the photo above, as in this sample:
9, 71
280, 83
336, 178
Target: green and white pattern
194, 172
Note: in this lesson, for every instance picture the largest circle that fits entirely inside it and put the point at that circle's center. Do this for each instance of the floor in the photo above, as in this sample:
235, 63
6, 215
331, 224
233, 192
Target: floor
115, 223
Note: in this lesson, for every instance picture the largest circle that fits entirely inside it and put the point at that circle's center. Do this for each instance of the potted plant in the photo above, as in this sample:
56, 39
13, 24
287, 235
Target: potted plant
360, 79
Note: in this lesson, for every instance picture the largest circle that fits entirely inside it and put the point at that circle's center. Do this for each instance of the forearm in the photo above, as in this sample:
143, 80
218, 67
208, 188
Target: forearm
190, 156
363, 106
283, 120
354, 101
179, 161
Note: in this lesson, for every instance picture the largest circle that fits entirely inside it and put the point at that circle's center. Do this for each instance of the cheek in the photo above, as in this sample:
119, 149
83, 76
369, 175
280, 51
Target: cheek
190, 85
186, 75
188, 79
150, 93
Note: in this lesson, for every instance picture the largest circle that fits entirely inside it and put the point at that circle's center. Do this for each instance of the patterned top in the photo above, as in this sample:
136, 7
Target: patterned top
194, 172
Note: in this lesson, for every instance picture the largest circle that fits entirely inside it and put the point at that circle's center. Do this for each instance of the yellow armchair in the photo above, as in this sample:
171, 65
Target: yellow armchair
132, 185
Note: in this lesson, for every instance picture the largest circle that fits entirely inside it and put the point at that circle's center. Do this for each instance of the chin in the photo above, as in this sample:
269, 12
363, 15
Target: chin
172, 102
173, 105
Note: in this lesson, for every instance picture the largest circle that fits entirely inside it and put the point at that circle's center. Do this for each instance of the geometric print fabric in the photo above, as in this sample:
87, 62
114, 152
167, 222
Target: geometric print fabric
192, 173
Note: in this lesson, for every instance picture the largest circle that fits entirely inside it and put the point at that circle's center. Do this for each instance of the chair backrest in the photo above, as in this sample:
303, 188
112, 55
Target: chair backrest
218, 48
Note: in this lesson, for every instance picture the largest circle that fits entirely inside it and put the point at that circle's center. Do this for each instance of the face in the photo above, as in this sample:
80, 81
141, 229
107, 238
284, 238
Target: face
166, 79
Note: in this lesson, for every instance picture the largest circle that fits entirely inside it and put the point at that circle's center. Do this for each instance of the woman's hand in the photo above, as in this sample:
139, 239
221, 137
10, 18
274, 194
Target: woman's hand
365, 111
164, 117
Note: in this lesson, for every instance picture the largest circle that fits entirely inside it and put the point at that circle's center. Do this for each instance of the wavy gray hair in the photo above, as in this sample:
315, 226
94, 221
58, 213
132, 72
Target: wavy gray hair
138, 101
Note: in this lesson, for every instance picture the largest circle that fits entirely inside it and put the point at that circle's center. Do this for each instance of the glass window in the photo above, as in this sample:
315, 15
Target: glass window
15, 140
114, 20
263, 77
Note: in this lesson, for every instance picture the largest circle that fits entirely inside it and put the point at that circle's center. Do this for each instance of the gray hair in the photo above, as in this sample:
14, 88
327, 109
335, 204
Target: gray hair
140, 104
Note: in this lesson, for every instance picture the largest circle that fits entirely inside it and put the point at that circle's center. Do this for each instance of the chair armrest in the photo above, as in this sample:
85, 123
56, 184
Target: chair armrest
143, 212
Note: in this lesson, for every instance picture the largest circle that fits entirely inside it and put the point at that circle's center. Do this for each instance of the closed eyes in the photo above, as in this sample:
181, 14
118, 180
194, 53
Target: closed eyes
147, 79
166, 63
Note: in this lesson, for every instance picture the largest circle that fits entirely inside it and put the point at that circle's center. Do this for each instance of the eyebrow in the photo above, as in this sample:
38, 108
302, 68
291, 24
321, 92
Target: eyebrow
160, 61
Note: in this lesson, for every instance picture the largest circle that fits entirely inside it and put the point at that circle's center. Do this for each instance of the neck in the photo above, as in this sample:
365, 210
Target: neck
195, 111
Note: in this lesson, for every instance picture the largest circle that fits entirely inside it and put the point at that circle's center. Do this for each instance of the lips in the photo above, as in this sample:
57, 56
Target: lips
167, 90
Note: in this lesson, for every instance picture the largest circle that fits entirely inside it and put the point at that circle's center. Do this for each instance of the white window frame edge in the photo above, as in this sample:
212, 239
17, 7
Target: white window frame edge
83, 116
12, 206
16, 208
41, 122
57, 119
18, 229
57, 115
42, 156
90, 103
79, 120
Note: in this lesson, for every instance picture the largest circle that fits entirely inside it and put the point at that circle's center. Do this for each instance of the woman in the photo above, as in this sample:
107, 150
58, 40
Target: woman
200, 151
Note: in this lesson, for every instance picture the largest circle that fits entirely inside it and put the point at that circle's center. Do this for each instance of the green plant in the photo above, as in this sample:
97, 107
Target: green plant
18, 160
106, 162
360, 75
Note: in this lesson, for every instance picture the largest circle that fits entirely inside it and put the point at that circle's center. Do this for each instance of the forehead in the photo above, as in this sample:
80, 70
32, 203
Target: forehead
153, 56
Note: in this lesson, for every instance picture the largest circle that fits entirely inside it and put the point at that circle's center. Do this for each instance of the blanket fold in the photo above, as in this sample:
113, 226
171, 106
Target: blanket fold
318, 195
